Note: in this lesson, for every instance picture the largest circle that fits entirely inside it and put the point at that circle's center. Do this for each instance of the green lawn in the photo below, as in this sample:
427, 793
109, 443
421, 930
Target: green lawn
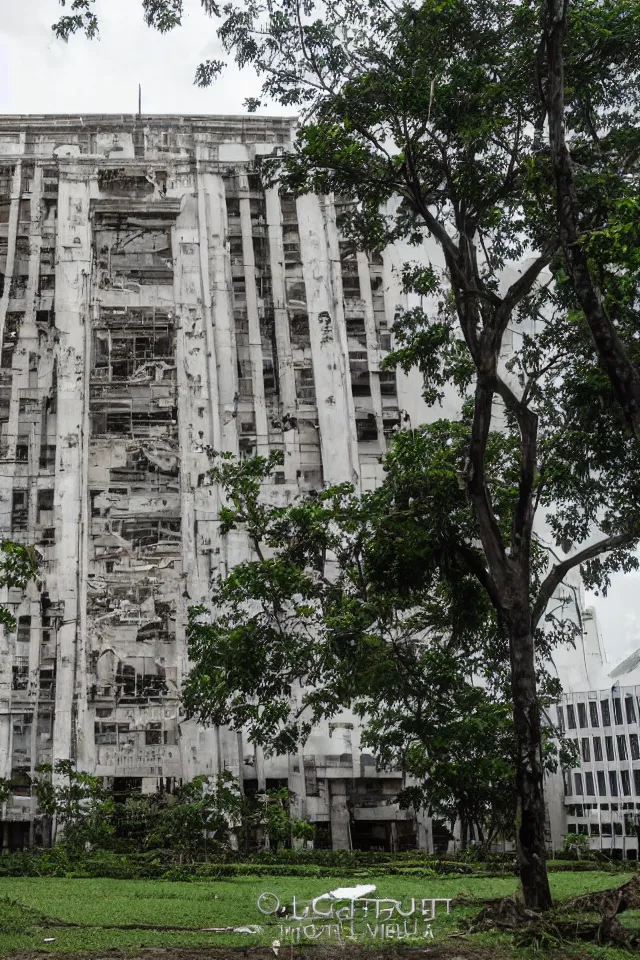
29, 905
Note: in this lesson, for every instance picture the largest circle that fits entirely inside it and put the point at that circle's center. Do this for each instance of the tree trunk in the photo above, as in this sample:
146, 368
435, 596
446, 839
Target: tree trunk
530, 827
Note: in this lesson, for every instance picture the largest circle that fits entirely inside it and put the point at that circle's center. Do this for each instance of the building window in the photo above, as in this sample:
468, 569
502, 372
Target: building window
606, 829
571, 828
583, 828
571, 717
578, 782
586, 753
595, 830
634, 746
567, 784
388, 384
19, 509
625, 783
602, 783
608, 742
590, 786
24, 629
560, 720
617, 710
597, 748
367, 430
593, 714
606, 713
153, 734
636, 782
582, 715
622, 747
613, 783
630, 709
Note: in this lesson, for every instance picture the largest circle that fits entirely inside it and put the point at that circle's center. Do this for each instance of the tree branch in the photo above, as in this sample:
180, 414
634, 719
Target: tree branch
559, 572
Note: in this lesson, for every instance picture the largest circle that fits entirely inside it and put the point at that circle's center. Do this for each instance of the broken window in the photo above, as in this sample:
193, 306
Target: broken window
18, 287
20, 674
295, 291
138, 354
148, 531
133, 685
305, 385
46, 317
153, 734
12, 323
45, 506
48, 682
367, 430
356, 329
134, 252
388, 383
47, 456
288, 208
299, 330
105, 733
19, 509
45, 724
20, 781
391, 426
48, 629
359, 368
6, 359
291, 243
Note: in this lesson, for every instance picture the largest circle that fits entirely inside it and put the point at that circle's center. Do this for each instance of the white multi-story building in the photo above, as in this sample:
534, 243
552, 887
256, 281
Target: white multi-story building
599, 712
156, 300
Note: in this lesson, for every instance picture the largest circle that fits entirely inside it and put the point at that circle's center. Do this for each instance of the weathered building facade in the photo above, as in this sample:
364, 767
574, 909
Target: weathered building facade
156, 301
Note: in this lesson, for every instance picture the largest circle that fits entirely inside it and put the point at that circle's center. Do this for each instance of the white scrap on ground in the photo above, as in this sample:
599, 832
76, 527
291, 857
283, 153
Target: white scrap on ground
253, 928
349, 893
275, 946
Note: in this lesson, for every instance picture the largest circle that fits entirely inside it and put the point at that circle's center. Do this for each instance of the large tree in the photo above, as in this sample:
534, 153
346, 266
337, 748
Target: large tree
431, 117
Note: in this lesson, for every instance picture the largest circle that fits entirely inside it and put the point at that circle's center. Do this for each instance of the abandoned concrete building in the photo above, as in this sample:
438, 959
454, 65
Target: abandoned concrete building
156, 300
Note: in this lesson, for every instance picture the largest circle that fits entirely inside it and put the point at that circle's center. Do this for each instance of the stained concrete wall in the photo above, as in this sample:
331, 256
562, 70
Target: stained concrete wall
157, 301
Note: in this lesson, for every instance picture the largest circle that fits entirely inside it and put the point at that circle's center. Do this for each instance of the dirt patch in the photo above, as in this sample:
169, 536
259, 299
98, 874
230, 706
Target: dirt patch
457, 951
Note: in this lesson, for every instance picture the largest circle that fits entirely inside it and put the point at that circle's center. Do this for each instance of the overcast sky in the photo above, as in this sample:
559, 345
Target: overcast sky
39, 74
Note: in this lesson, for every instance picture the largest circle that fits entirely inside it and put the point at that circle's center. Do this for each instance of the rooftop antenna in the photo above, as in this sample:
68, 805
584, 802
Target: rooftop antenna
139, 100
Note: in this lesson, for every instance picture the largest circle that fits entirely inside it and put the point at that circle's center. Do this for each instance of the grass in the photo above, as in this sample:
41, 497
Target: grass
32, 908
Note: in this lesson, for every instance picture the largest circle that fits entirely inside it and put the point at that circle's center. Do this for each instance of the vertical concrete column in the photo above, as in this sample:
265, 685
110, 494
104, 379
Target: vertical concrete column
212, 389
14, 213
342, 343
223, 323
6, 483
286, 376
340, 828
12, 425
73, 275
198, 502
333, 387
253, 318
373, 346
